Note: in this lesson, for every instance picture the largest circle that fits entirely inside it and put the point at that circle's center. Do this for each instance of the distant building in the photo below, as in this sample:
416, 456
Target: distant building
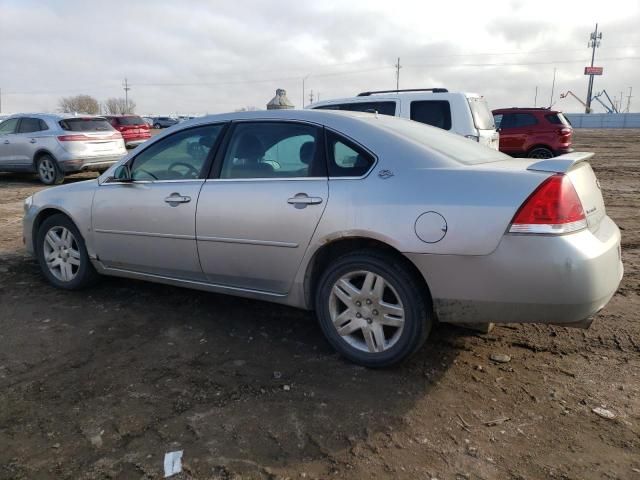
280, 101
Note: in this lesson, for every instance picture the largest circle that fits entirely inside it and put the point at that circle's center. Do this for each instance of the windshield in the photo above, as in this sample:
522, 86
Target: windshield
482, 117
90, 124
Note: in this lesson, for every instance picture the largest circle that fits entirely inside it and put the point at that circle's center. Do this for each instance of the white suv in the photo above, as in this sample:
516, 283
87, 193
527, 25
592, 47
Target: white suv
466, 114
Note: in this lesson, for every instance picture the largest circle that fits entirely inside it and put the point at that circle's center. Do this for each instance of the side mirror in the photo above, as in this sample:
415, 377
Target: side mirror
122, 173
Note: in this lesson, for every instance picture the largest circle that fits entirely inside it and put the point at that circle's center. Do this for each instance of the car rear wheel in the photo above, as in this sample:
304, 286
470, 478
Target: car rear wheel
62, 254
540, 152
372, 310
156, 126
48, 170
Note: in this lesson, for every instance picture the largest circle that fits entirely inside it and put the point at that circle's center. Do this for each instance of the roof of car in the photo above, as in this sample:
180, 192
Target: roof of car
53, 116
390, 95
525, 109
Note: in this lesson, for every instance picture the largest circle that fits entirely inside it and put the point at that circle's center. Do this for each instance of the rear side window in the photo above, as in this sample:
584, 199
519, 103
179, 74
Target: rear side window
29, 125
43, 125
557, 119
130, 120
482, 116
346, 159
383, 108
436, 113
522, 120
9, 126
85, 125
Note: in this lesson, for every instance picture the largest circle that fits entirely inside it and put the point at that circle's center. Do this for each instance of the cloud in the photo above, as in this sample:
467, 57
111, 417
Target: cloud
197, 57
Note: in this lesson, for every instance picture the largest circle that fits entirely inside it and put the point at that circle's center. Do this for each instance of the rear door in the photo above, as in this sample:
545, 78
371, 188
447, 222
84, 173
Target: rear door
516, 130
28, 139
436, 113
257, 215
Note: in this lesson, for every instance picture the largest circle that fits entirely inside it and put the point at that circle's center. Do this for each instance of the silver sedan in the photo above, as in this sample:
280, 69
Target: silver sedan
381, 225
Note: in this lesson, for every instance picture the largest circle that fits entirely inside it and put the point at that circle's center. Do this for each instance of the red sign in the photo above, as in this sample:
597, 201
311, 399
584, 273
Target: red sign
593, 70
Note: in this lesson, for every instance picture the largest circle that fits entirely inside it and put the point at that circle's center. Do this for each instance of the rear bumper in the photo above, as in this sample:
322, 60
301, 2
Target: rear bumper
134, 142
528, 279
89, 164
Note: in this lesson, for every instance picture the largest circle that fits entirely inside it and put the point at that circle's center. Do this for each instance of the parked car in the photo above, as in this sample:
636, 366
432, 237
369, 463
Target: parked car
148, 121
380, 224
54, 145
133, 128
533, 132
163, 122
466, 114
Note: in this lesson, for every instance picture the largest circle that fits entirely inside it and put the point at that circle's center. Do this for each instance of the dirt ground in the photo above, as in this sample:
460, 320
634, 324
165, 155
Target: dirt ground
101, 383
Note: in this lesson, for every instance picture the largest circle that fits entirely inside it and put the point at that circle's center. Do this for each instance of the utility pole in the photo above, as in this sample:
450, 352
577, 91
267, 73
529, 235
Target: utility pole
303, 80
126, 95
535, 98
398, 67
629, 100
311, 96
553, 87
594, 42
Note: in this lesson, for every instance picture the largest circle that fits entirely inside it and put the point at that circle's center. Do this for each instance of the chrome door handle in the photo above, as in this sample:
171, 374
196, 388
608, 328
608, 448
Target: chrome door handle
33, 140
303, 199
6, 142
175, 198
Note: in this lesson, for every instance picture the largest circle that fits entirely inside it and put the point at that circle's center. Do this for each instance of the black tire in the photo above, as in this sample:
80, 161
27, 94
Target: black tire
48, 170
157, 126
84, 274
540, 152
418, 316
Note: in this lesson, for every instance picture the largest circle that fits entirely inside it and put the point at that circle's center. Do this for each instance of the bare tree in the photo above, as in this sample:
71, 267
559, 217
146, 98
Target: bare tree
80, 104
118, 106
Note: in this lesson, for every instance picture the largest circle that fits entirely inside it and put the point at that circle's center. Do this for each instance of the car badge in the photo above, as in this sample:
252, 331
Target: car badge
384, 174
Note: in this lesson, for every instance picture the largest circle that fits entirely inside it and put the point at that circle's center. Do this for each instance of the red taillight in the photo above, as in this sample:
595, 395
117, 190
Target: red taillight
554, 207
565, 131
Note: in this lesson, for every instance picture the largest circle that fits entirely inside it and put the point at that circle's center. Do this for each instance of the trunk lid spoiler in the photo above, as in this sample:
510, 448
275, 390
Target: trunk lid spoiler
561, 164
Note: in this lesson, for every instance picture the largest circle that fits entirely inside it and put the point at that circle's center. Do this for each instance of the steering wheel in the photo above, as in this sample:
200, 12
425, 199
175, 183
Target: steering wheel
191, 170
148, 173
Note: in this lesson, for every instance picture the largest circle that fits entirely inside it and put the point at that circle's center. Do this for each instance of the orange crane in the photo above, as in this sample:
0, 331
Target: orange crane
565, 95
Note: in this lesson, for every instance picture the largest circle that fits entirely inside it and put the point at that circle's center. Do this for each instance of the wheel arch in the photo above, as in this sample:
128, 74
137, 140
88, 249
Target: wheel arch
540, 145
43, 215
39, 153
328, 252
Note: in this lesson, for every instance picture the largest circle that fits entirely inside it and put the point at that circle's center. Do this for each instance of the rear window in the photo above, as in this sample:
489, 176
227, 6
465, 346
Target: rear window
436, 113
130, 120
557, 119
482, 116
383, 108
85, 124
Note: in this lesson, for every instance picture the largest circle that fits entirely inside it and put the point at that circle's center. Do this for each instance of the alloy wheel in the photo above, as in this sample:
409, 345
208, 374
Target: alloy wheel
47, 170
62, 253
366, 311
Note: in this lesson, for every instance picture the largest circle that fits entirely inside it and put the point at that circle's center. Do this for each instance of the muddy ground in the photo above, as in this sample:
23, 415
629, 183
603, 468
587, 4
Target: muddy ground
101, 383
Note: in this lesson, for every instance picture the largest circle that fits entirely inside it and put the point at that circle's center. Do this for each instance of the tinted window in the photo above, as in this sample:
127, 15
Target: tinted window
86, 124
273, 150
29, 125
43, 125
130, 120
9, 126
497, 119
436, 113
482, 117
178, 157
383, 108
345, 158
557, 119
519, 120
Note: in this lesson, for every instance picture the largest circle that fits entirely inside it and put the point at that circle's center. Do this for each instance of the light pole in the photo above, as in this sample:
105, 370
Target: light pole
303, 80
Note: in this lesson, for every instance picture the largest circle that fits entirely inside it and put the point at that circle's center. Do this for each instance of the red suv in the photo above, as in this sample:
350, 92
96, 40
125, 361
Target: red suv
133, 128
533, 132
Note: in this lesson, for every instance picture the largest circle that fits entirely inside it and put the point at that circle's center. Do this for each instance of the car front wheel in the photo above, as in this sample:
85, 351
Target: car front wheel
372, 309
62, 254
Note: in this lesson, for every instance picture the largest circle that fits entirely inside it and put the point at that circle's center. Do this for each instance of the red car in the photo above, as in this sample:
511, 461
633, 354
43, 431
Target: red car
533, 132
133, 128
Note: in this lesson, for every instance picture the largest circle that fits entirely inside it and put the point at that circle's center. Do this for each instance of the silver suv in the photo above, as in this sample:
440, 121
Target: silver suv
53, 145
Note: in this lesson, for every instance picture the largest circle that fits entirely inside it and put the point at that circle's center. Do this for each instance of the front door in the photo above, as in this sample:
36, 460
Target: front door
27, 140
147, 225
7, 142
256, 217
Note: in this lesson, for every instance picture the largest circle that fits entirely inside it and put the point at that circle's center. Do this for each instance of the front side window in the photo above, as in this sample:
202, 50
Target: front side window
8, 126
181, 156
29, 125
346, 159
274, 150
436, 113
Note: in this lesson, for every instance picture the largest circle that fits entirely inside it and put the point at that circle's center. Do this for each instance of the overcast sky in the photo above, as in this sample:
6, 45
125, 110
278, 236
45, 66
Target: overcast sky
198, 57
